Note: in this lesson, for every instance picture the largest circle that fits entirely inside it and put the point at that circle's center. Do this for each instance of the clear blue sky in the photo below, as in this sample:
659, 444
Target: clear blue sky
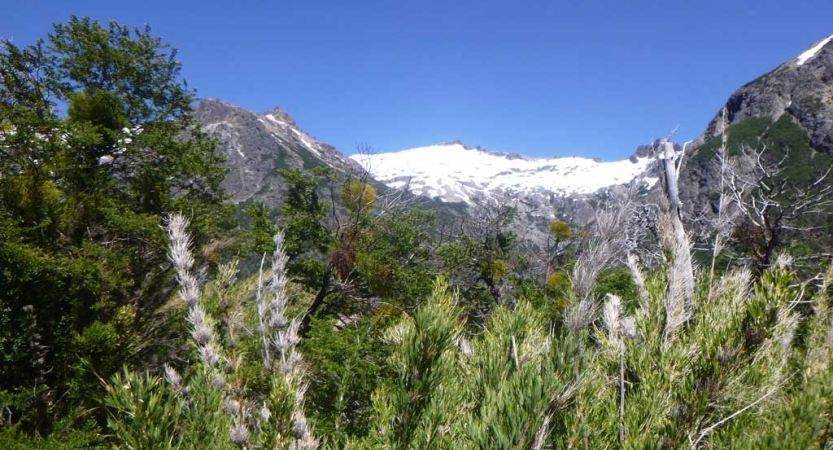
543, 78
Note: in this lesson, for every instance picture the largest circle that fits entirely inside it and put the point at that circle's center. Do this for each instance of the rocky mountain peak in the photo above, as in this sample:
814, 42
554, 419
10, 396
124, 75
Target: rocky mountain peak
257, 145
279, 115
801, 87
211, 109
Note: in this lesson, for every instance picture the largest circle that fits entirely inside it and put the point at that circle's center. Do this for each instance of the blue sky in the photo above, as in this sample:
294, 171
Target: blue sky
542, 78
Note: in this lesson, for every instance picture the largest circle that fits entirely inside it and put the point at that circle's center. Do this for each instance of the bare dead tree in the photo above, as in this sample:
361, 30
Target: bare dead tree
672, 162
642, 234
389, 199
607, 243
722, 224
772, 203
490, 228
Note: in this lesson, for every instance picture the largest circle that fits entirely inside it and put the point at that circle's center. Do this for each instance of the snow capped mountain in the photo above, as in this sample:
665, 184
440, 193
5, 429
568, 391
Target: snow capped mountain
456, 173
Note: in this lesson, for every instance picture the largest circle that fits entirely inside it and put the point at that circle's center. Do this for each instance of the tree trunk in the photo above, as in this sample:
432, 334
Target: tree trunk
316, 305
682, 255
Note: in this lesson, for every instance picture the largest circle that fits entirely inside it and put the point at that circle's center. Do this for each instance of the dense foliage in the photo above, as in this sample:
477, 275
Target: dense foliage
751, 358
93, 152
368, 321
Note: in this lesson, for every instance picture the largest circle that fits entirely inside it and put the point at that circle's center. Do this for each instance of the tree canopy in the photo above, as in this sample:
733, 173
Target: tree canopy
96, 145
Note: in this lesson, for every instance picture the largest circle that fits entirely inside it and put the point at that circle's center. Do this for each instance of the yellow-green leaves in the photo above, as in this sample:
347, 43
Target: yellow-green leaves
560, 230
358, 196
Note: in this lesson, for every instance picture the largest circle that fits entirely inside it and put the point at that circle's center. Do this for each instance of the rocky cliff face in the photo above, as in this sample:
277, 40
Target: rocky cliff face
256, 145
802, 88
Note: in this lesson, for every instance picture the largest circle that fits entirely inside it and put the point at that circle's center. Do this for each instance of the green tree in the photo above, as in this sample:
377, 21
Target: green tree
480, 257
347, 363
559, 241
351, 251
358, 195
96, 143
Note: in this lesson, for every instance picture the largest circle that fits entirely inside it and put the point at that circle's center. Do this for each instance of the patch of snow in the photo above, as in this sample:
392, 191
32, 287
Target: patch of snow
273, 119
812, 51
307, 143
650, 181
301, 135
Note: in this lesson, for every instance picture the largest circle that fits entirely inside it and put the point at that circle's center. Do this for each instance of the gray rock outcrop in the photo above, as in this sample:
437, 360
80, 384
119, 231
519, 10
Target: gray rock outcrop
801, 88
257, 145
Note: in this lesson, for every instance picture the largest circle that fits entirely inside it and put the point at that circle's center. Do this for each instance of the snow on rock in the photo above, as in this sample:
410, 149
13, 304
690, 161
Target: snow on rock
812, 51
456, 173
303, 137
277, 121
307, 143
